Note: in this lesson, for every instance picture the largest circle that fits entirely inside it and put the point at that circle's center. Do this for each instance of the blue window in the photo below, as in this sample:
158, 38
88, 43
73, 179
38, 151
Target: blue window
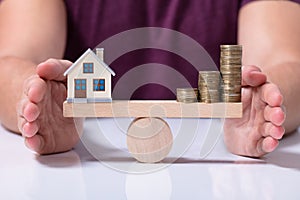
88, 67
80, 84
99, 85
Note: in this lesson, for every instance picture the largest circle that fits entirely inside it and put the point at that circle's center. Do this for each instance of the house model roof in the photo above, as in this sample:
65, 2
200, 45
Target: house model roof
89, 51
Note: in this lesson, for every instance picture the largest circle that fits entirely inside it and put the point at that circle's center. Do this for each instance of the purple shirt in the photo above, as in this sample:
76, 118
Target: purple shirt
209, 22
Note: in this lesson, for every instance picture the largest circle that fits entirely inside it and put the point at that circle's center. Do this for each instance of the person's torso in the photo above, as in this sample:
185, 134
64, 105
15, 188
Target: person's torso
209, 22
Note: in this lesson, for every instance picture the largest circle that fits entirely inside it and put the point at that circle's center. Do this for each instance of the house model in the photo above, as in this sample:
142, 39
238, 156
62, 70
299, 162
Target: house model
89, 79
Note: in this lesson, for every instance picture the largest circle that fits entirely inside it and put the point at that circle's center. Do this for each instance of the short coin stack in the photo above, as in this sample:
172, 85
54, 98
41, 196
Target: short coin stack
187, 95
209, 86
230, 67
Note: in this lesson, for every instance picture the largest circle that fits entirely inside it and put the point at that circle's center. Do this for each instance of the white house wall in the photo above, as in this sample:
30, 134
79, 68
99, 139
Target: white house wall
99, 72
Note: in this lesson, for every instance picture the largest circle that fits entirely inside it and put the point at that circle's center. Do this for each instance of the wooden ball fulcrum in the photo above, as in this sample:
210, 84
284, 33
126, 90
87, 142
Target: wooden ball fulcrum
149, 140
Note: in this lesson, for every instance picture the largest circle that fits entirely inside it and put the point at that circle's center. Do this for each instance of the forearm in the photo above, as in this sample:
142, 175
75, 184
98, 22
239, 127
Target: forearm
13, 73
271, 41
31, 32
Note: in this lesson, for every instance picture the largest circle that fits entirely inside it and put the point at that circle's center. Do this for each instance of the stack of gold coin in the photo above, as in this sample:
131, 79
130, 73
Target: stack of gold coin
187, 95
230, 67
209, 86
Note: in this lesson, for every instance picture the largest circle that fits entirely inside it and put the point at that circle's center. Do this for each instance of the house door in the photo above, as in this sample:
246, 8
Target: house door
80, 88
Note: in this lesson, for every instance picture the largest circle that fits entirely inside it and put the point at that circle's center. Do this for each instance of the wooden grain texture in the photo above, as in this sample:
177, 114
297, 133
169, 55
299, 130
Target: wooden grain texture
153, 108
149, 140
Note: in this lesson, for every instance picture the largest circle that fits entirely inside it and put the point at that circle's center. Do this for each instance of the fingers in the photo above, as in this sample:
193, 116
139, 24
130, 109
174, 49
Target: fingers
35, 143
34, 88
275, 115
272, 130
266, 145
28, 108
53, 69
252, 76
271, 94
30, 129
28, 113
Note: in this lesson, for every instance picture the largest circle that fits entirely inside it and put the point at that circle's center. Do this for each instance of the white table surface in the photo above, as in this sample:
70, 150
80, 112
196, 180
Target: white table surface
78, 174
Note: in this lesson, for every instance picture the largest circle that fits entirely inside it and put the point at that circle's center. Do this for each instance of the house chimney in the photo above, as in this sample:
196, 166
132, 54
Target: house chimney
100, 53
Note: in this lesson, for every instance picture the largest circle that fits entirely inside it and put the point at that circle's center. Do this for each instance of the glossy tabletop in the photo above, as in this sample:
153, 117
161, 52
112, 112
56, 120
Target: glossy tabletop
100, 167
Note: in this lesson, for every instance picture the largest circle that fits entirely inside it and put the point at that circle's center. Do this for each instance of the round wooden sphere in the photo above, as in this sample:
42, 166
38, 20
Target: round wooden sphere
149, 140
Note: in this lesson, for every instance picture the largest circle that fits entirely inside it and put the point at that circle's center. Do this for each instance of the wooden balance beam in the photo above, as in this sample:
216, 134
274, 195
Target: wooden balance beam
153, 108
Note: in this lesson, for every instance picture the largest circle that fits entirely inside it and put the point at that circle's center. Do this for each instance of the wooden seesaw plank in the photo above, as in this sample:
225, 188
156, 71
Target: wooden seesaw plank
153, 108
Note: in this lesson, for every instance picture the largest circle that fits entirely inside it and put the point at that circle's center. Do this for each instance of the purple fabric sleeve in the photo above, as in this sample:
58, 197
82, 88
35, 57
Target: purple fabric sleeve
244, 2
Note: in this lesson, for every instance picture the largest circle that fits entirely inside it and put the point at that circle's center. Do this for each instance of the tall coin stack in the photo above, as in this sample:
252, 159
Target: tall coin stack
230, 67
209, 86
187, 95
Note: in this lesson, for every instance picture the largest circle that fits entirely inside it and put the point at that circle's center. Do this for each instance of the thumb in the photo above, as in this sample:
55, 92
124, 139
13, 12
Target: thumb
53, 69
252, 76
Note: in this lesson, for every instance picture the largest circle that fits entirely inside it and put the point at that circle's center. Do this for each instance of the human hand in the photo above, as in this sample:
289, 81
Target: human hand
261, 126
40, 110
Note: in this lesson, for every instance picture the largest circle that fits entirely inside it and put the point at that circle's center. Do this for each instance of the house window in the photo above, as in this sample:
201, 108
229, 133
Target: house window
80, 84
99, 84
88, 67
